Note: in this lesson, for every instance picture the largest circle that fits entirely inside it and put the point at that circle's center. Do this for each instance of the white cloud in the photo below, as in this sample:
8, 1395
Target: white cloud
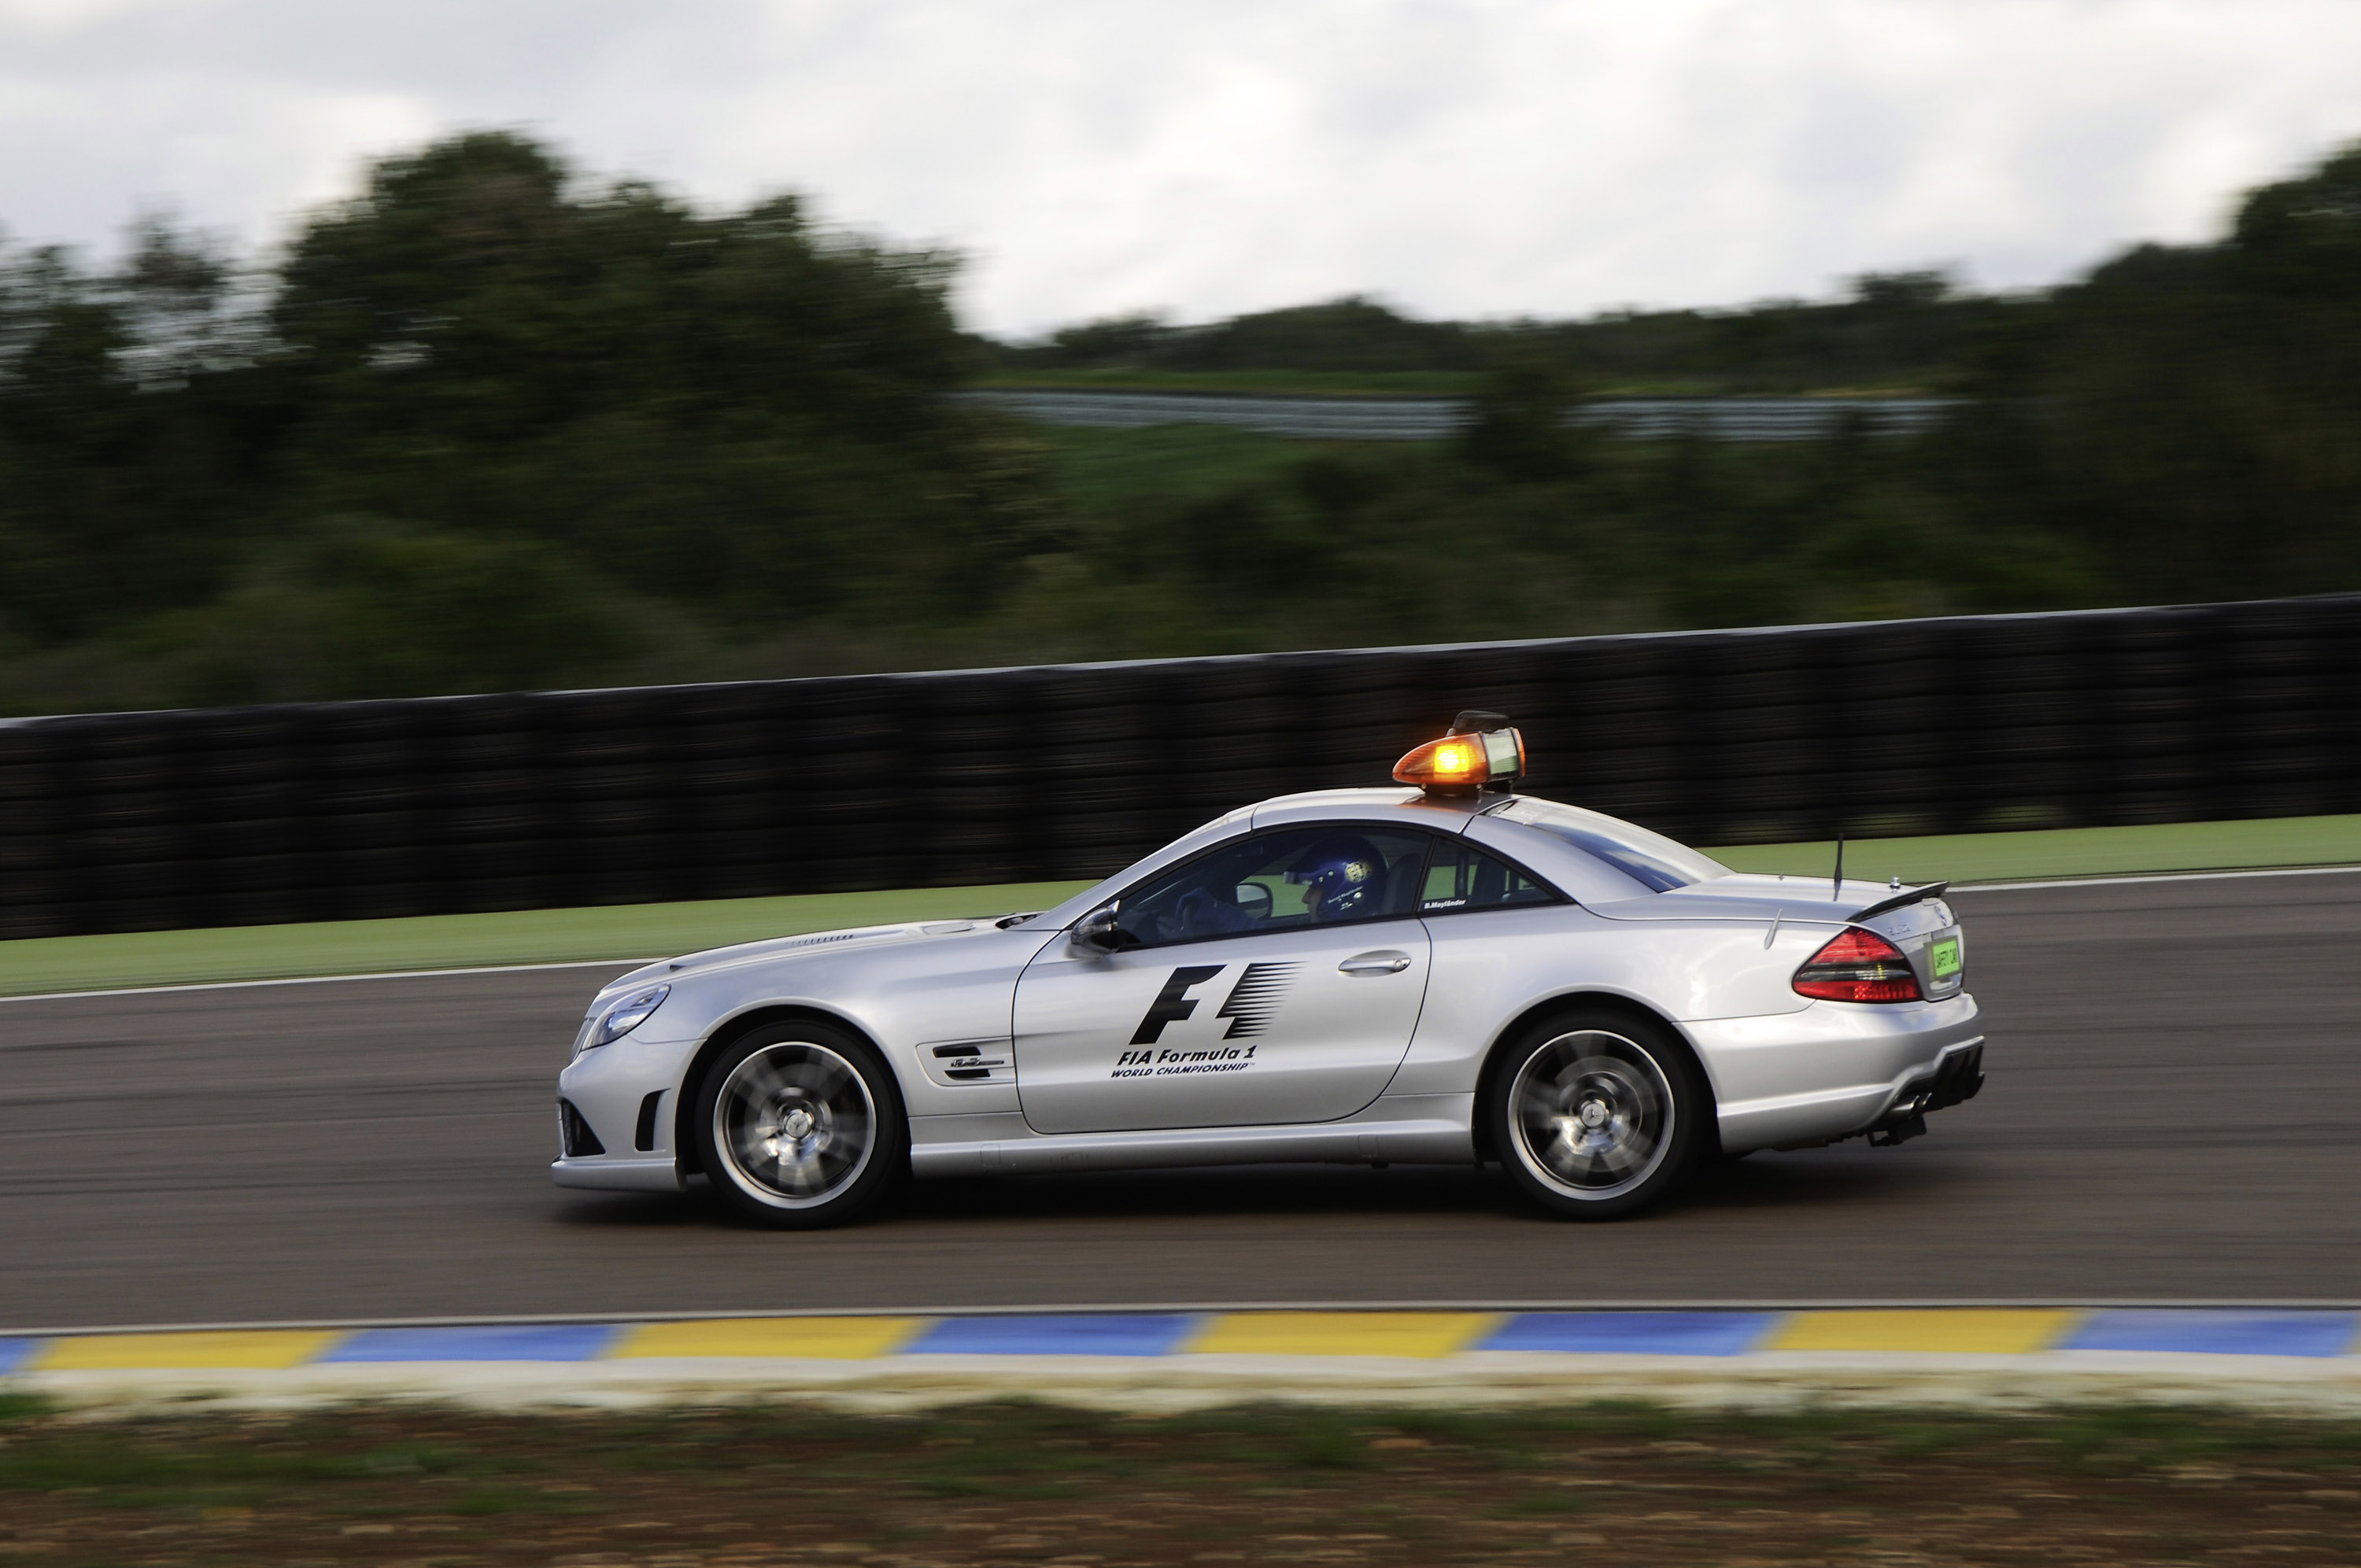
1460, 156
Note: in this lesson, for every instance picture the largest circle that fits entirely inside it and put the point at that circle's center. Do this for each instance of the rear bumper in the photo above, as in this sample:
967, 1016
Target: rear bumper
1959, 1076
1837, 1069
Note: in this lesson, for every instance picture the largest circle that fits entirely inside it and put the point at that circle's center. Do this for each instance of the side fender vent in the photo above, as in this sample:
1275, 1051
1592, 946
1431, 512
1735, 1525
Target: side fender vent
970, 1062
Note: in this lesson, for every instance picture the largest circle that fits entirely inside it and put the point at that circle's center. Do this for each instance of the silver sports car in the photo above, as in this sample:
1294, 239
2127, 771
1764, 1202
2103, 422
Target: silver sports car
1445, 972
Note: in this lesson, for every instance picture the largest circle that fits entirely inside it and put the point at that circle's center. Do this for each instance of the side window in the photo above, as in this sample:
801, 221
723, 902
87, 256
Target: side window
1280, 882
1461, 876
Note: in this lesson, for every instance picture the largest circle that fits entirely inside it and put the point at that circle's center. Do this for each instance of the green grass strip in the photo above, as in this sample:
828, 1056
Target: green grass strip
651, 930
464, 941
2069, 852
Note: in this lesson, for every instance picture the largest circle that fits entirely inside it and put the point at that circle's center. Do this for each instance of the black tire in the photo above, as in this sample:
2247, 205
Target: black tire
1596, 1113
799, 1124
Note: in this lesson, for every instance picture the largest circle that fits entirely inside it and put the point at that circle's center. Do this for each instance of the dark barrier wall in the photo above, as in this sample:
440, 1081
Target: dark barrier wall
237, 816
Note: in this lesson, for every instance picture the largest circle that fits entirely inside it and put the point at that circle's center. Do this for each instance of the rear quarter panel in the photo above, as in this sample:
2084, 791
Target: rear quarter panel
1490, 967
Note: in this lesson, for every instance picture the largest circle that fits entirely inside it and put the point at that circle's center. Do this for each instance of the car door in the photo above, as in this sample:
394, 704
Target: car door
1276, 979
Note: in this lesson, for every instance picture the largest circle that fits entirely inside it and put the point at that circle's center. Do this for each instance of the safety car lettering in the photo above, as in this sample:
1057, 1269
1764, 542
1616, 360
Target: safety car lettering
1169, 1063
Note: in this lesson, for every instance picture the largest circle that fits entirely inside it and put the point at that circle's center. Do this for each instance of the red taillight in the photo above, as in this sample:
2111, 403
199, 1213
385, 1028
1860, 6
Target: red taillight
1859, 966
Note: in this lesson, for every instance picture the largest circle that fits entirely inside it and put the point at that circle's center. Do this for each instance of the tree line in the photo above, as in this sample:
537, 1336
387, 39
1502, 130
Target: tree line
492, 423
1893, 330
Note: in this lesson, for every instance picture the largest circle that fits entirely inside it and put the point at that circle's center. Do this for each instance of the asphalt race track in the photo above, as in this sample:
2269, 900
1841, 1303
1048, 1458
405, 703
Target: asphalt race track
2176, 1088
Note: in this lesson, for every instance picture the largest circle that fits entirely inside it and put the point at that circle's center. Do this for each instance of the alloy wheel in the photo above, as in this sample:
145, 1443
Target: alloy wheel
795, 1125
1591, 1113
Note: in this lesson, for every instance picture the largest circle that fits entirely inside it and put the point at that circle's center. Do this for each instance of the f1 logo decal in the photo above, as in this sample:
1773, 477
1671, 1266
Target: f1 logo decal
1256, 998
1172, 1004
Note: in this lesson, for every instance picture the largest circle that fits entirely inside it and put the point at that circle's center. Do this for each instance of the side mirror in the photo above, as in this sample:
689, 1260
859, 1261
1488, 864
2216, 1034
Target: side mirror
1254, 899
1097, 932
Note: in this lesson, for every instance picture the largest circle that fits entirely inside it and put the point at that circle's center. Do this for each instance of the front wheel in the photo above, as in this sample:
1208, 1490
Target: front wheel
799, 1126
1596, 1115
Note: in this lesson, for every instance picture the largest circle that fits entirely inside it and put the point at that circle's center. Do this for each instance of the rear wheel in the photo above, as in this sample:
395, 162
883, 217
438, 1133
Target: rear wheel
799, 1126
1598, 1115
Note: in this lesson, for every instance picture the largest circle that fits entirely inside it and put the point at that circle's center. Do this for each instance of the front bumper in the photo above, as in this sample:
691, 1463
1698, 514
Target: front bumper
626, 1096
619, 1173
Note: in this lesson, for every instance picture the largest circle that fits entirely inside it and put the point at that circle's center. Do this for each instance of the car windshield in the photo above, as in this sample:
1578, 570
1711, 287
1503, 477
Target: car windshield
1654, 861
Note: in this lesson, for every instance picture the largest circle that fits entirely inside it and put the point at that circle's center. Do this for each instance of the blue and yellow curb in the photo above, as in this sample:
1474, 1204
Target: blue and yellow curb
1758, 1337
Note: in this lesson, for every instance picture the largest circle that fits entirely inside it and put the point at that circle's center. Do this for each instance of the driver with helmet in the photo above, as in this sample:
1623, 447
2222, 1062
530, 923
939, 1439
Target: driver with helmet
1342, 878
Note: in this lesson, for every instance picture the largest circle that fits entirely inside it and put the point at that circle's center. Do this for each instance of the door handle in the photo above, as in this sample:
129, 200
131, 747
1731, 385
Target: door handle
1375, 963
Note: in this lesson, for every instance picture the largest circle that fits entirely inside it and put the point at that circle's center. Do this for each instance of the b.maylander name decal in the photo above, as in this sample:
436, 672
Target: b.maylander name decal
1251, 1004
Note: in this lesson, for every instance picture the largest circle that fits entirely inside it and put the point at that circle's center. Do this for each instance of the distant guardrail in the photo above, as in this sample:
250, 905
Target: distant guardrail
1437, 419
230, 816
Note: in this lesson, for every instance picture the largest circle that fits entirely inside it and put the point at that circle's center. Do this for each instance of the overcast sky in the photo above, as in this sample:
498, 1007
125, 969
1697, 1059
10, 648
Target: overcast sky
1457, 158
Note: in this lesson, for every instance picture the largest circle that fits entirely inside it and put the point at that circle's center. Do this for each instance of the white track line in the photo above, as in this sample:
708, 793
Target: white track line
1128, 1309
634, 963
2154, 876
333, 979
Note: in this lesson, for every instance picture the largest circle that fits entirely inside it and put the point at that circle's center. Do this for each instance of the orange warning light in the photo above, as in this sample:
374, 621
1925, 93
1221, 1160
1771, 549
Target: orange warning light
1481, 749
1443, 763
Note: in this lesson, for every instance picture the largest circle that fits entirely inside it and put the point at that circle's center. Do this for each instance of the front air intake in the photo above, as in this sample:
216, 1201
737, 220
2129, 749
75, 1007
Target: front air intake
574, 1137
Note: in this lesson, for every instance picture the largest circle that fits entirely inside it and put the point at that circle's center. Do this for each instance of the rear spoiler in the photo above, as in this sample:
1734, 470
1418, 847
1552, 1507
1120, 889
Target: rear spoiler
1906, 896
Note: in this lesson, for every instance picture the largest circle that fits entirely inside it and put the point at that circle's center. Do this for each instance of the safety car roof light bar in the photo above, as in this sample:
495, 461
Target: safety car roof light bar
1481, 751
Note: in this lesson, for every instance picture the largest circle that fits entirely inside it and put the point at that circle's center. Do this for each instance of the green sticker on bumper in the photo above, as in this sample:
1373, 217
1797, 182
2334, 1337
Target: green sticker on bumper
1945, 957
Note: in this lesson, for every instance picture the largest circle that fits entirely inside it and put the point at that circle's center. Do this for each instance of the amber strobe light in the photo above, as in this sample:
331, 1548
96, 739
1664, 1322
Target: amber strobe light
1482, 748
1859, 966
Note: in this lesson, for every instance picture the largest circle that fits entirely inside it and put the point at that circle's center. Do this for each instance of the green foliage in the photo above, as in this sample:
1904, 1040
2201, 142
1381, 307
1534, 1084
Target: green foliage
1520, 431
1894, 330
2193, 416
363, 608
1251, 381
491, 424
1109, 472
1347, 334
487, 426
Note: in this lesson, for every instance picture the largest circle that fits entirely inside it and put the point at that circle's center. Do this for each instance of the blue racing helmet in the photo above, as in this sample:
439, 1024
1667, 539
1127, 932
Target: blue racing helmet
1346, 874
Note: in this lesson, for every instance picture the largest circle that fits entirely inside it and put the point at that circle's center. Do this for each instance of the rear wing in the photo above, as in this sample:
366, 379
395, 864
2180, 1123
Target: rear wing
1906, 896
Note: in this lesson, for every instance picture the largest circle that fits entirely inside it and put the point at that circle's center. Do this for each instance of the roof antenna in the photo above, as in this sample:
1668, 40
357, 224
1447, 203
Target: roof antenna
1837, 891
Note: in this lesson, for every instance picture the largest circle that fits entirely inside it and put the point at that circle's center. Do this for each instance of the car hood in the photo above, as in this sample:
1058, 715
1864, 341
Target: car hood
813, 944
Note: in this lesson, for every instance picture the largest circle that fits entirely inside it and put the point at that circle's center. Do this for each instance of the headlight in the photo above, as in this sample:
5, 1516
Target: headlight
628, 1015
